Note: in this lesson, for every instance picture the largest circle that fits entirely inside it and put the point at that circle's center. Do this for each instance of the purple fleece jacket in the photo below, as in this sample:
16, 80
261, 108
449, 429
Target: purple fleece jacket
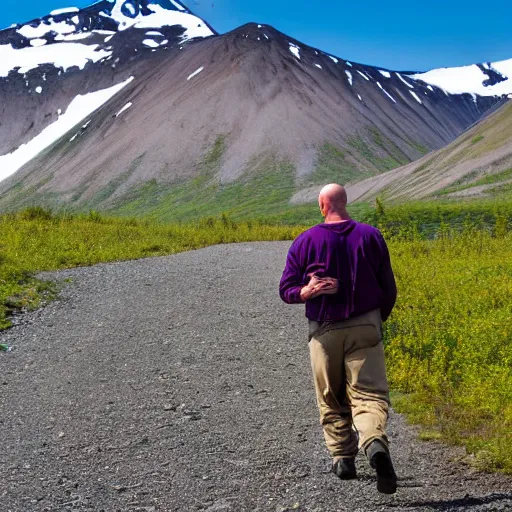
355, 254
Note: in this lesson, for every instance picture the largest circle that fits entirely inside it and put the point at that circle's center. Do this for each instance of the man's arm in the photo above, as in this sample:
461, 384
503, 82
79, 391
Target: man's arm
293, 290
291, 280
386, 279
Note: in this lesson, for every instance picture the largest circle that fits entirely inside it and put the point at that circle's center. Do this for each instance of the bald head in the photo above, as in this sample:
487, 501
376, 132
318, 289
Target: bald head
333, 200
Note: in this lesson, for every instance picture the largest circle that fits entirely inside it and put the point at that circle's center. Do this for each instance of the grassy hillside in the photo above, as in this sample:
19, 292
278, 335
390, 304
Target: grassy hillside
263, 190
35, 240
477, 164
448, 341
426, 219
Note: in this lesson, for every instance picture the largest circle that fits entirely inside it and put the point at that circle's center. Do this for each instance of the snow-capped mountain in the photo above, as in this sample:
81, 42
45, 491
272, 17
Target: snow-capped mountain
72, 38
125, 92
72, 58
486, 79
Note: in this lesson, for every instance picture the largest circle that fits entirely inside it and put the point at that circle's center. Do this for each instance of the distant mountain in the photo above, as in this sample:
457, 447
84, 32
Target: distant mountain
476, 164
141, 107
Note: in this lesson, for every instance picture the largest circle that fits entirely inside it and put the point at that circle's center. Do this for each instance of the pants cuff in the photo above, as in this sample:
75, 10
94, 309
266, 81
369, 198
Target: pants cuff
369, 441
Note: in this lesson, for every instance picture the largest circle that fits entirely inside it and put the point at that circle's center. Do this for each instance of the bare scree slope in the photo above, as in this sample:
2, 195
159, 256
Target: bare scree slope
99, 102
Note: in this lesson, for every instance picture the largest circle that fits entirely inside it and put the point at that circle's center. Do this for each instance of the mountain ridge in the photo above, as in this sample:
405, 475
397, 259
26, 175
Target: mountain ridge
255, 93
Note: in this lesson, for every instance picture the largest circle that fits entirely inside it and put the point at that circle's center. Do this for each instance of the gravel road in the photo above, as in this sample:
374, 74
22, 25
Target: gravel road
183, 383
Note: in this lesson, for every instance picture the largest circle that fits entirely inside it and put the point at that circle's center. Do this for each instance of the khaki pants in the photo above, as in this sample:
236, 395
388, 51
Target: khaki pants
352, 392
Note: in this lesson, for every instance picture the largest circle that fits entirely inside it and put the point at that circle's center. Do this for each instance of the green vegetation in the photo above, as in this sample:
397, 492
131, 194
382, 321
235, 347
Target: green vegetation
448, 345
420, 147
469, 181
428, 218
364, 146
333, 166
250, 197
35, 240
263, 191
448, 342
489, 135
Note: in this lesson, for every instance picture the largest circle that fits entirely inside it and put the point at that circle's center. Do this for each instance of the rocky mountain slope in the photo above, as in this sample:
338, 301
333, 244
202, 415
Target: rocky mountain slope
48, 63
477, 164
130, 101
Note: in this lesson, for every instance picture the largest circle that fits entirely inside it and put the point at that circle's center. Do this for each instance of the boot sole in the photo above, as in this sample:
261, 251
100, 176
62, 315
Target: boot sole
347, 476
386, 477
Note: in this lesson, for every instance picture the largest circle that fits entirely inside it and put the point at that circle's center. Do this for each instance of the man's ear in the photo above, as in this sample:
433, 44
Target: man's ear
321, 205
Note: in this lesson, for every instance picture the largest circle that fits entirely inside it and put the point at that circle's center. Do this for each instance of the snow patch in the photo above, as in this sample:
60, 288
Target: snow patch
64, 11
404, 81
73, 37
349, 76
195, 73
348, 63
78, 109
469, 79
386, 74
130, 8
37, 42
334, 59
295, 50
126, 107
430, 87
359, 96
160, 17
415, 96
39, 89
389, 96
387, 93
154, 33
43, 28
363, 75
318, 66
63, 55
151, 43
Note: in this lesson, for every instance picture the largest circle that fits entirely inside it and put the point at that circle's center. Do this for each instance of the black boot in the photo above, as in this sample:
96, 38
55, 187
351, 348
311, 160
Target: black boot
345, 468
380, 460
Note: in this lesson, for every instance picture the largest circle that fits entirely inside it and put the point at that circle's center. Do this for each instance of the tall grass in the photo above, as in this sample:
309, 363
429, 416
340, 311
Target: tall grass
36, 240
449, 339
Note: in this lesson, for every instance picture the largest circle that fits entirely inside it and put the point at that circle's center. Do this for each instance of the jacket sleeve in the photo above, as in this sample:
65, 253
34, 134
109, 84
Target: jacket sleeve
386, 279
291, 281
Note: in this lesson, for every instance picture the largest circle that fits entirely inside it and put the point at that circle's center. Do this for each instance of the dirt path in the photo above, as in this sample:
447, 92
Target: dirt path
182, 384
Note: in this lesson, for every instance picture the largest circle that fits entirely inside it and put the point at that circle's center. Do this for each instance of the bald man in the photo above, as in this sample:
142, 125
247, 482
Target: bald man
342, 271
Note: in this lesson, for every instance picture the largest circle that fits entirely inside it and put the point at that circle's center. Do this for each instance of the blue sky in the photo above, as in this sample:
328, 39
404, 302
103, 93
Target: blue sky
397, 34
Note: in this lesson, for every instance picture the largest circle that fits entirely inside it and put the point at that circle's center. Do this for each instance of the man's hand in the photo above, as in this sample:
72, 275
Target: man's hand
319, 286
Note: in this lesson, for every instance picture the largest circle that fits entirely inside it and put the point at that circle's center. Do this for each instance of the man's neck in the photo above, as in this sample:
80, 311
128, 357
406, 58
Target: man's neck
332, 218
